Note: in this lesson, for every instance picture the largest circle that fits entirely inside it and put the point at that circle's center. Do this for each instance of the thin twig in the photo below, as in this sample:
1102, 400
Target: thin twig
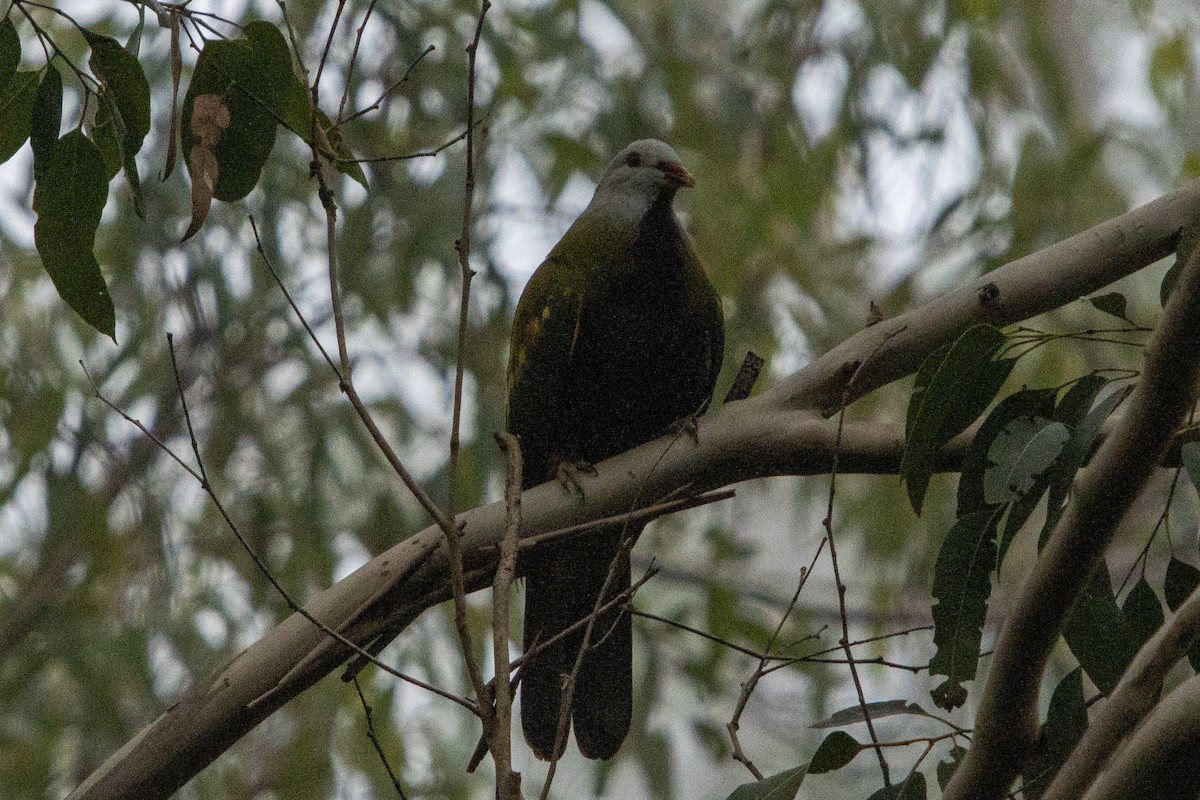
508, 782
375, 741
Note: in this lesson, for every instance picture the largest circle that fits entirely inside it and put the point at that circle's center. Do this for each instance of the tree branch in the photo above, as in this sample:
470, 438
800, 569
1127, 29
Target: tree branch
779, 432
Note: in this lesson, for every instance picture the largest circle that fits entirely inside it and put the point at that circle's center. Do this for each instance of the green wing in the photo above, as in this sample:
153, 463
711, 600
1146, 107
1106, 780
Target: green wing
545, 326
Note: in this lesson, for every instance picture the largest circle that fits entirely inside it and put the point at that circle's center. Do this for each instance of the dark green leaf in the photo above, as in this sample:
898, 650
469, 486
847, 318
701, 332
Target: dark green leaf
1142, 611
912, 788
235, 71
947, 766
1074, 454
947, 399
46, 121
104, 134
70, 199
16, 112
10, 51
1066, 721
1112, 304
961, 587
1097, 633
1025, 404
783, 786
877, 710
126, 101
1189, 454
838, 750
1181, 581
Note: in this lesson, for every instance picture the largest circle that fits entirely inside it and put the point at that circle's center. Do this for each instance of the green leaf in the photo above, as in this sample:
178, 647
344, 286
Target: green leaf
948, 765
1180, 582
1025, 404
1142, 612
242, 73
104, 134
912, 788
10, 51
1066, 721
1075, 453
126, 101
877, 710
838, 750
1189, 454
70, 198
961, 587
783, 786
1098, 634
46, 121
951, 391
16, 112
1112, 304
1021, 453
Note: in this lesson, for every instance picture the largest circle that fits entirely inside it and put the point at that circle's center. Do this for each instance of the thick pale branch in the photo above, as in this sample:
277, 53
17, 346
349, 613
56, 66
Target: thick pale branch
771, 434
1007, 720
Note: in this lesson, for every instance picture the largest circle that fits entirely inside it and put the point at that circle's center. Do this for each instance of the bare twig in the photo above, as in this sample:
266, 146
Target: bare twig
374, 737
508, 782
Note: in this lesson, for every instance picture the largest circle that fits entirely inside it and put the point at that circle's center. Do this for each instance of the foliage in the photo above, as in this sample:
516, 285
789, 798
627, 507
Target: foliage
846, 153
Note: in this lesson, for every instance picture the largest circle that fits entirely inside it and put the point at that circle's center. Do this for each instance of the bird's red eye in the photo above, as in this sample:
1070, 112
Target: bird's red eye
633, 160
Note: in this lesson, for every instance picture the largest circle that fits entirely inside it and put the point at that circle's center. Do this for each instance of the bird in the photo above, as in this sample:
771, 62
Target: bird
618, 336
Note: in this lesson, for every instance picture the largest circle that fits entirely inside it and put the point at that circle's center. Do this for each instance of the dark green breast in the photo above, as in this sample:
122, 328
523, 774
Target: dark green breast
610, 349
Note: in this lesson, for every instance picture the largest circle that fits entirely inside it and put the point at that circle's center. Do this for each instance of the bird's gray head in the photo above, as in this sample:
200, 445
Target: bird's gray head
643, 172
646, 167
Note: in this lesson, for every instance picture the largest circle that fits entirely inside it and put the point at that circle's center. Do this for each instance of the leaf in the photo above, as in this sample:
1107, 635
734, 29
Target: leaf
1066, 721
1112, 304
836, 751
46, 122
70, 199
878, 710
1021, 453
783, 786
126, 98
236, 72
209, 119
1189, 454
947, 766
912, 788
1074, 454
16, 112
961, 587
951, 391
1142, 612
10, 51
1181, 580
1098, 634
1025, 404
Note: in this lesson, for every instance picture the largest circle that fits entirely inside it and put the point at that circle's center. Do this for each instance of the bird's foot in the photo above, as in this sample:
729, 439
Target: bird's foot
569, 472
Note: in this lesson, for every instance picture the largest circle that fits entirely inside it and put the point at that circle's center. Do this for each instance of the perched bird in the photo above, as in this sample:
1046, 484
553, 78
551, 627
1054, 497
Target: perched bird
618, 335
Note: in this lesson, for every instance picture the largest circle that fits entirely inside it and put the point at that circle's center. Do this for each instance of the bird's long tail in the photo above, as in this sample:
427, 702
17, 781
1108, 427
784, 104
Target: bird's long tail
560, 589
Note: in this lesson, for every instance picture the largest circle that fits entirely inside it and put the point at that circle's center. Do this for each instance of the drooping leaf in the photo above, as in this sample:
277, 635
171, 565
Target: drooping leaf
1142, 611
1066, 721
911, 788
782, 786
1112, 304
10, 51
1097, 633
1180, 581
46, 121
961, 587
947, 398
126, 101
1074, 454
836, 751
70, 199
948, 765
209, 119
16, 112
1025, 404
877, 709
